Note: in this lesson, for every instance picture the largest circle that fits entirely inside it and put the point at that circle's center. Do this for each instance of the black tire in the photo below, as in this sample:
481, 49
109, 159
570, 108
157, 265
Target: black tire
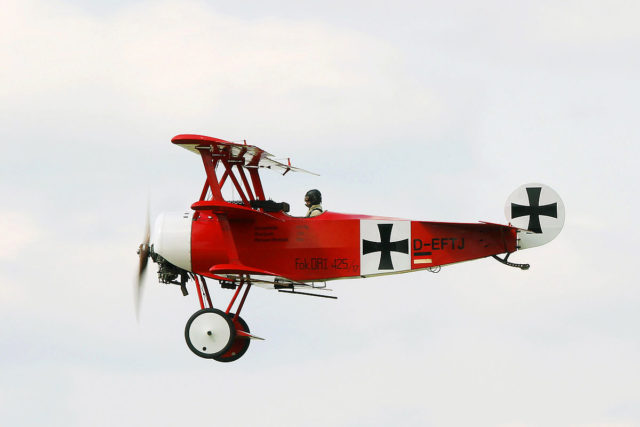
239, 346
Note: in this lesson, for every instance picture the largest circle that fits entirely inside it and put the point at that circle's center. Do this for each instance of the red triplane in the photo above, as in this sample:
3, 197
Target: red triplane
254, 241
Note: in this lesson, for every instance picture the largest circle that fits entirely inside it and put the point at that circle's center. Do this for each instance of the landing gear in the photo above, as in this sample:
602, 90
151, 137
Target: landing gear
210, 333
240, 344
215, 334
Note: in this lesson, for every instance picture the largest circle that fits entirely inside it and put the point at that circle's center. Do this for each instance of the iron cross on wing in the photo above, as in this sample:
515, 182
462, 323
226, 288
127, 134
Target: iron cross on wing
385, 246
534, 210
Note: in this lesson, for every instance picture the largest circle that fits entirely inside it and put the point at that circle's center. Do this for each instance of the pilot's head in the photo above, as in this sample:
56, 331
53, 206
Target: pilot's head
313, 197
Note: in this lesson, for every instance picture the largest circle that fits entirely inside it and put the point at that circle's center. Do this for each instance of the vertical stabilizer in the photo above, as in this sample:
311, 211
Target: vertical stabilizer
538, 211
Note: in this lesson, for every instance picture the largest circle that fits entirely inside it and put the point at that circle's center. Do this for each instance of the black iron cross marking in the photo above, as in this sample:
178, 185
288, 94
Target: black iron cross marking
534, 210
385, 246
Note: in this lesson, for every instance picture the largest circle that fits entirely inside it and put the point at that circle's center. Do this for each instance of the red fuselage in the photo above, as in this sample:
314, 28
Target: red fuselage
333, 245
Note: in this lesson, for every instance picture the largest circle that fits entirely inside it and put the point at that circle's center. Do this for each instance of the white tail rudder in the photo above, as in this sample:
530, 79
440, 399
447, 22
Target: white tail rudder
538, 211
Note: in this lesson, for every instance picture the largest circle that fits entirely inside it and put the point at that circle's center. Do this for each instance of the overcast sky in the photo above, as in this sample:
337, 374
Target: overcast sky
422, 110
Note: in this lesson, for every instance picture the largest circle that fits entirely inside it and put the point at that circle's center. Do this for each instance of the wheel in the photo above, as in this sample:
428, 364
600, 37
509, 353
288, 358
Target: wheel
209, 333
240, 344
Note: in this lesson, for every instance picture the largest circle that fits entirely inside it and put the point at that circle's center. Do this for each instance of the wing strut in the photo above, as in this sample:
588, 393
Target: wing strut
210, 168
257, 184
211, 157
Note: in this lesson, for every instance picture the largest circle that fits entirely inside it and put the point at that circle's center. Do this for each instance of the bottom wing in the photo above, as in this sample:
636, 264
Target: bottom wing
263, 278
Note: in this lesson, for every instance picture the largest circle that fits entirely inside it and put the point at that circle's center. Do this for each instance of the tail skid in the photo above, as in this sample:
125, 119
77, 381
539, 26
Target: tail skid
511, 264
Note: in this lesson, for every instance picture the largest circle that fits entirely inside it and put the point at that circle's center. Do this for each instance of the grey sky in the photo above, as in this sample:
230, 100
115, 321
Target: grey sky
415, 110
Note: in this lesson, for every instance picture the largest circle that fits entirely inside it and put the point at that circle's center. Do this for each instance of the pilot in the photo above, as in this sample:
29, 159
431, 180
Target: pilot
313, 200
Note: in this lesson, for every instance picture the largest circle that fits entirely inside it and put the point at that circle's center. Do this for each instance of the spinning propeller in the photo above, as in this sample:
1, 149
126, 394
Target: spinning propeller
143, 251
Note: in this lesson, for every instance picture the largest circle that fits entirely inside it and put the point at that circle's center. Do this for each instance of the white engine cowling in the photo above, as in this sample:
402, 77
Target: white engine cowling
172, 238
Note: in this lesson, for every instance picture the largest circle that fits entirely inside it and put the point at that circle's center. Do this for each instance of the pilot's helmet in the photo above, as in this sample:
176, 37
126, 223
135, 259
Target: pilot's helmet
314, 197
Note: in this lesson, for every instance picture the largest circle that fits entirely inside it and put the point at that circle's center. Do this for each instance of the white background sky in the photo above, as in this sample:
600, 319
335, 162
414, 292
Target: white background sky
431, 111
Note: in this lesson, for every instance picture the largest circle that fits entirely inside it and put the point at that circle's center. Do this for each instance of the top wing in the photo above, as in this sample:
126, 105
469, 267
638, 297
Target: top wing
252, 156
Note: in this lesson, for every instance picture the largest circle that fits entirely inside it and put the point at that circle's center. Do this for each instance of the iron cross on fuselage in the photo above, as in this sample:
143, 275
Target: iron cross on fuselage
534, 210
385, 246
